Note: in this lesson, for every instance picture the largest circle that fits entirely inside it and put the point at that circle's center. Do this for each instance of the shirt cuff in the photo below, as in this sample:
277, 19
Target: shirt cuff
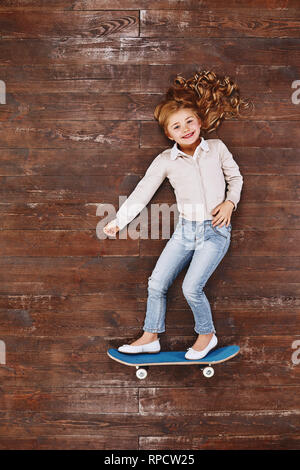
229, 198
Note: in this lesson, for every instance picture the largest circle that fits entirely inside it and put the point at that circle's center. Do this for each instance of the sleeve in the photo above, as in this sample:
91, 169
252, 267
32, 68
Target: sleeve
143, 192
232, 175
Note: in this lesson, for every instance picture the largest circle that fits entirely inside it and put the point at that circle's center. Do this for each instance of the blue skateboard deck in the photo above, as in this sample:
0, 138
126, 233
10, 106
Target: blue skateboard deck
173, 357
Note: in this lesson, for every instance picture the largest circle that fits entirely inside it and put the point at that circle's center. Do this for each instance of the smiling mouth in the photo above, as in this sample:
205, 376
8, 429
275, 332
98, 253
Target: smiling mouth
188, 135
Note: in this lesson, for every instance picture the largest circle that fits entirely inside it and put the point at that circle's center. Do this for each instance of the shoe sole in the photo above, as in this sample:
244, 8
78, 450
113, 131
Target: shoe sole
142, 352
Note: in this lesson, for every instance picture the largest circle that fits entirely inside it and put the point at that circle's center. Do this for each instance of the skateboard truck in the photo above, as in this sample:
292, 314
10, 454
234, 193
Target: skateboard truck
142, 372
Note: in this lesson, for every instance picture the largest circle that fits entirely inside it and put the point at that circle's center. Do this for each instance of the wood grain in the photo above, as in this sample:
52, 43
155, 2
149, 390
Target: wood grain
211, 51
44, 24
221, 23
141, 4
77, 131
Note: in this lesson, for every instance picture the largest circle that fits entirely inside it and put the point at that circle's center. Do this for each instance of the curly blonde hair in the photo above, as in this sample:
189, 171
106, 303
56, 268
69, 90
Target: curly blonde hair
212, 97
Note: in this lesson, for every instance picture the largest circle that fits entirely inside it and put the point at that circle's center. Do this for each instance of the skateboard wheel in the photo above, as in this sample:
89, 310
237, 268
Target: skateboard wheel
141, 374
208, 372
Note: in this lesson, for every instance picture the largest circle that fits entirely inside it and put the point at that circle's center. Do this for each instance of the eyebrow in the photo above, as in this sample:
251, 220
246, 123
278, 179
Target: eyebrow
178, 122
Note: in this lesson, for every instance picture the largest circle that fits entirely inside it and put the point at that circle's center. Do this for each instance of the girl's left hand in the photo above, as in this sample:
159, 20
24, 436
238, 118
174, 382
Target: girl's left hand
222, 213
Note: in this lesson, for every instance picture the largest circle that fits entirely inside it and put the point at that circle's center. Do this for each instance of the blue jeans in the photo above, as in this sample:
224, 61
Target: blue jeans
204, 246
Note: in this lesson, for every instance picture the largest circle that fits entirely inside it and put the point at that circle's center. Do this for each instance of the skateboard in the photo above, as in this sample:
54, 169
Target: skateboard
142, 361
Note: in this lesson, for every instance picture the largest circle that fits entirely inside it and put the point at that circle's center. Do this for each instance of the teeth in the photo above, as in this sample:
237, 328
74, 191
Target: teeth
189, 135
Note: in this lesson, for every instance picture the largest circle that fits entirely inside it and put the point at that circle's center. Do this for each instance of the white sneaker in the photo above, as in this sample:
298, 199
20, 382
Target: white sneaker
193, 354
153, 347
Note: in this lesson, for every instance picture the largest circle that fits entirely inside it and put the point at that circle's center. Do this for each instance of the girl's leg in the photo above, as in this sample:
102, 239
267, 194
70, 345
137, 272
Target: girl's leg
175, 256
213, 247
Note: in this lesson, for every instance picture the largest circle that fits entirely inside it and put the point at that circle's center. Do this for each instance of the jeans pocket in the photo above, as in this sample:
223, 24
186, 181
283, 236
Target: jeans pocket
223, 231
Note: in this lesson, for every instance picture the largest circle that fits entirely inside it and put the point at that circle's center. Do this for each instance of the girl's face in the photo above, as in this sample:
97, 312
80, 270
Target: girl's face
184, 127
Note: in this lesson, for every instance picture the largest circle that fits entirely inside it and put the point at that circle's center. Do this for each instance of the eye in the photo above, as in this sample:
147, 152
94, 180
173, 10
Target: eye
190, 120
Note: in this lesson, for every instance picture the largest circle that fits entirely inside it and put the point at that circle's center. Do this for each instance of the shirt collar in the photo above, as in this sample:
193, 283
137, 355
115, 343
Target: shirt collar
175, 150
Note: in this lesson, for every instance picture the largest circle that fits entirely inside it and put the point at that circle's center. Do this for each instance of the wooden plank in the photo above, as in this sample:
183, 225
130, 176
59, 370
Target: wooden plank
56, 78
221, 22
67, 442
56, 243
142, 4
214, 51
171, 401
277, 441
88, 189
109, 162
89, 106
62, 275
49, 23
95, 399
210, 424
86, 313
69, 134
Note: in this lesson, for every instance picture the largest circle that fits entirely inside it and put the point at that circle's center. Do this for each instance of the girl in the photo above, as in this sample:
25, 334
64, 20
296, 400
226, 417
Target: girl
198, 170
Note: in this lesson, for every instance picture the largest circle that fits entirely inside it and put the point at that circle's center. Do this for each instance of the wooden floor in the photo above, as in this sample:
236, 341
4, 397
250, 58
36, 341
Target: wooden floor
77, 130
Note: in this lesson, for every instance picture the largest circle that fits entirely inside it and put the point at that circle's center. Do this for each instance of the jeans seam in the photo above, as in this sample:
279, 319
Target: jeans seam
160, 309
213, 269
179, 269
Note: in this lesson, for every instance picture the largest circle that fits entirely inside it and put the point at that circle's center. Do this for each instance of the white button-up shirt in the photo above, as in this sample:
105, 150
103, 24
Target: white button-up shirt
175, 151
199, 181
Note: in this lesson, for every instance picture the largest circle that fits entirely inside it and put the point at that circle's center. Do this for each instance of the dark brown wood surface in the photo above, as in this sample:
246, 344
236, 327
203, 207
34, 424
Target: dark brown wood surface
77, 131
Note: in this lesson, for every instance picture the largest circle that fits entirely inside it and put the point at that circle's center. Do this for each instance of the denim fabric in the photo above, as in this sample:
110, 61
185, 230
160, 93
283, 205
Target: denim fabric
201, 245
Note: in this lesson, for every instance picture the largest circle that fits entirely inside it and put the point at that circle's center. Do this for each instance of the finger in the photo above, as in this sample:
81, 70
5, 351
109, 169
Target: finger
220, 222
215, 211
216, 221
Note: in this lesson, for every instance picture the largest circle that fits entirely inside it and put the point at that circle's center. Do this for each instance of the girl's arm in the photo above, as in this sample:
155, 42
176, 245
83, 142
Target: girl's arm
232, 175
143, 192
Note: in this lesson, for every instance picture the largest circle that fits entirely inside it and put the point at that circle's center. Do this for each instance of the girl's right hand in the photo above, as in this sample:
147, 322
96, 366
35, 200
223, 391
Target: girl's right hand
111, 228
